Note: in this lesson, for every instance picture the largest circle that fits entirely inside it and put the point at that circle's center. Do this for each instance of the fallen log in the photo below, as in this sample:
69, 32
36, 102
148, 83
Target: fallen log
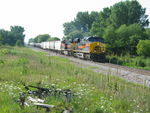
48, 107
35, 100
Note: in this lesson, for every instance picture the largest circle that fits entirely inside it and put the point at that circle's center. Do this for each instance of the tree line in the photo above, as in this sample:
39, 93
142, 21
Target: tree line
43, 38
121, 25
13, 37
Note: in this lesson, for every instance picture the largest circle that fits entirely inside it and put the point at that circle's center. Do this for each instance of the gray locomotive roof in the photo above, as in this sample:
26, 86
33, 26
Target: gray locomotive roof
86, 38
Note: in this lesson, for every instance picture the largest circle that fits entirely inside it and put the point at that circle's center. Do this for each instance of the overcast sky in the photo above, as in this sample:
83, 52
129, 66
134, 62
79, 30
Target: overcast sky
48, 16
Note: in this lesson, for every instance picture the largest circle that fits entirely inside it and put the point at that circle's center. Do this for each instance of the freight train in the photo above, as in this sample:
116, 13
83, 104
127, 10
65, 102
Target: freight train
89, 48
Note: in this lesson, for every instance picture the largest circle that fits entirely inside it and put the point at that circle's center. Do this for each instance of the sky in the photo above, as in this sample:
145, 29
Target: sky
48, 16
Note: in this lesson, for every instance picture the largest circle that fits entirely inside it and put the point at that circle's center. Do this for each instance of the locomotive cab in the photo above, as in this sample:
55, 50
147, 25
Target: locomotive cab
97, 49
92, 48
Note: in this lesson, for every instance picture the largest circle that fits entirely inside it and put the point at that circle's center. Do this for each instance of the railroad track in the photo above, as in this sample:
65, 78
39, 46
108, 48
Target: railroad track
135, 70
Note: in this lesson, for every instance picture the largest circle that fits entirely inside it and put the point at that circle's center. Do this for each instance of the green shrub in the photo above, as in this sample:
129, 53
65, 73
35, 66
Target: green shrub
19, 43
114, 60
143, 48
2, 61
141, 63
4, 51
131, 61
21, 61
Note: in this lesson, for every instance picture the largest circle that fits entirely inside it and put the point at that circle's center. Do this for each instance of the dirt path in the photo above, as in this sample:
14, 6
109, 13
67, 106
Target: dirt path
130, 74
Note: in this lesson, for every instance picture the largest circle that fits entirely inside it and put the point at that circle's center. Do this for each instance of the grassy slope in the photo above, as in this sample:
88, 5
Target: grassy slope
94, 93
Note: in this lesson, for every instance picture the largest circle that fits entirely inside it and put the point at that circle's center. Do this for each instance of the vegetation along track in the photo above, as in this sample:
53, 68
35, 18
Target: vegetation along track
130, 74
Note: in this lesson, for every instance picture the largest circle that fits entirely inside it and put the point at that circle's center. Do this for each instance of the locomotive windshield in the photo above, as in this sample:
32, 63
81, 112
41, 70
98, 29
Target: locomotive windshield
96, 39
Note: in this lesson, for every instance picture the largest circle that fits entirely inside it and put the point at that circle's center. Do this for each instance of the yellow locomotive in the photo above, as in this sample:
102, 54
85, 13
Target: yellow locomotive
90, 48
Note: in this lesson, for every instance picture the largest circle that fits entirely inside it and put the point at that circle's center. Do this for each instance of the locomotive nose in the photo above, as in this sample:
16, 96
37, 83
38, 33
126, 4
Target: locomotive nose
99, 48
98, 43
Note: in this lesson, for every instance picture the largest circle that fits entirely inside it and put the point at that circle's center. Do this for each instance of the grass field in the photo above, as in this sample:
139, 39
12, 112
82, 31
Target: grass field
93, 92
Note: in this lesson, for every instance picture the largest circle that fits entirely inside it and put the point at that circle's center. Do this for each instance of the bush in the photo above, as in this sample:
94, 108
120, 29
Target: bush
143, 48
141, 63
2, 61
114, 60
19, 43
4, 51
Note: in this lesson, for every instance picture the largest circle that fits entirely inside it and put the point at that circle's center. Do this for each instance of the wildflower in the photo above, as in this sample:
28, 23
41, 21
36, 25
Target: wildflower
81, 90
58, 89
141, 110
52, 84
93, 87
74, 82
86, 108
19, 88
83, 84
102, 107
